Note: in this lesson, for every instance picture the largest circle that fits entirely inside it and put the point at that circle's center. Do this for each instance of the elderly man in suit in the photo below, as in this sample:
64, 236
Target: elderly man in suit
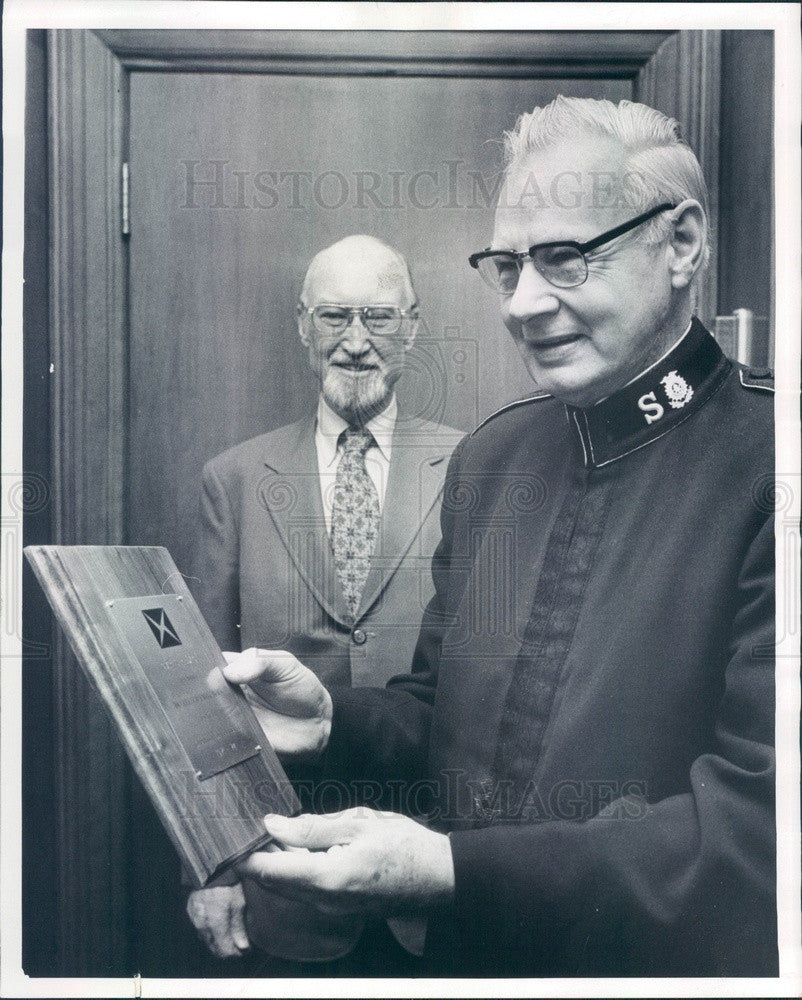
317, 537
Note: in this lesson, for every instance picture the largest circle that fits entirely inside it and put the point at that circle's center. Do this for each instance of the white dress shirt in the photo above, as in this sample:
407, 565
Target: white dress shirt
329, 451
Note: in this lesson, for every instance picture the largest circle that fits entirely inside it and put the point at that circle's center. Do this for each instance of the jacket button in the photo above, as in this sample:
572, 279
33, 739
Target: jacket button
359, 637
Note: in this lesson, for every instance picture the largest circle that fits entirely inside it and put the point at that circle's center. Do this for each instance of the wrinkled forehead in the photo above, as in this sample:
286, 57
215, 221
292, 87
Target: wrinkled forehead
573, 191
359, 280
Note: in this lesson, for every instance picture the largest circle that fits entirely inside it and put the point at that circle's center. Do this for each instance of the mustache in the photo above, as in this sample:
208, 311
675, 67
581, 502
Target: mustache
364, 362
340, 375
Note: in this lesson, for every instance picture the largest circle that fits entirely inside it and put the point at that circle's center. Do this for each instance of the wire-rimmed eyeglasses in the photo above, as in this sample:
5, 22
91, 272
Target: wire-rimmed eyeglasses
561, 262
332, 319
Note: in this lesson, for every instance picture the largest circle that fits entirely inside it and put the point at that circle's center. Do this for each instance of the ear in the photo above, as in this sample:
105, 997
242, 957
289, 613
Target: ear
411, 333
688, 242
301, 314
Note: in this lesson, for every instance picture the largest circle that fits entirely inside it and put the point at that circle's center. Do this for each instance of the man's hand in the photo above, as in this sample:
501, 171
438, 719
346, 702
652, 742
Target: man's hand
357, 861
291, 704
218, 915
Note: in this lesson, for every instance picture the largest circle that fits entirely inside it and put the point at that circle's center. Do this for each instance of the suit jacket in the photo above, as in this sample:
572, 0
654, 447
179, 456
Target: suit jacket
266, 571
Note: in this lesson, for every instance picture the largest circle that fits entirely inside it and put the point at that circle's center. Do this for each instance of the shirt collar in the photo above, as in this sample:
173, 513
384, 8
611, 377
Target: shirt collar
654, 403
330, 426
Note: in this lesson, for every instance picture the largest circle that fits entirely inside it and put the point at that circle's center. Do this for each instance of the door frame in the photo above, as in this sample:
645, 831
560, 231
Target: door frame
88, 83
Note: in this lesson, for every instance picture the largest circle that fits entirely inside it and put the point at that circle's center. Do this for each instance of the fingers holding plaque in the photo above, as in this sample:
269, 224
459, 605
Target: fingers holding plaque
293, 708
356, 862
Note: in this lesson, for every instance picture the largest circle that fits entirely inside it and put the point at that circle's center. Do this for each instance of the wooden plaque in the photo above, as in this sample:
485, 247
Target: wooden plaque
191, 736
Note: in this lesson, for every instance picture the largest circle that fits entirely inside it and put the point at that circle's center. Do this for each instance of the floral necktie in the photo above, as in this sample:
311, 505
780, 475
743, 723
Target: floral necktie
354, 517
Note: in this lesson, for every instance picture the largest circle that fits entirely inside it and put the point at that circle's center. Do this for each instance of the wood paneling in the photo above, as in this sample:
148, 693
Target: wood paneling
499, 54
88, 350
683, 81
39, 836
746, 244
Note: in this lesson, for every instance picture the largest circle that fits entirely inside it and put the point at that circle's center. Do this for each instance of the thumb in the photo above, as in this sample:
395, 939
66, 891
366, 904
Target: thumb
271, 665
313, 832
239, 935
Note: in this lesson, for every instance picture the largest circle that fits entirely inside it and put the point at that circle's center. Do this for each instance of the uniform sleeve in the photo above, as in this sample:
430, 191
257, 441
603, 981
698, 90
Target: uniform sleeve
681, 886
217, 562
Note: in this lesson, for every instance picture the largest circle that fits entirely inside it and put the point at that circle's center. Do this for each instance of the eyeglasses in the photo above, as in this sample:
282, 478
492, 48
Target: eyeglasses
562, 263
380, 320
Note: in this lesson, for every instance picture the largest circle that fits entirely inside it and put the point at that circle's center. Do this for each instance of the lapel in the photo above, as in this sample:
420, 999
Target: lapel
417, 471
290, 493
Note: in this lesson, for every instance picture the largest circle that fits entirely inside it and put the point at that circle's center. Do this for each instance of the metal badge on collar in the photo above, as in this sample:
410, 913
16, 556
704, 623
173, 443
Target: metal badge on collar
677, 389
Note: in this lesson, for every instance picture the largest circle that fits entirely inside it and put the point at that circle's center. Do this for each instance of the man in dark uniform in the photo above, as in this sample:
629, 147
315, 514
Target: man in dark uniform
591, 704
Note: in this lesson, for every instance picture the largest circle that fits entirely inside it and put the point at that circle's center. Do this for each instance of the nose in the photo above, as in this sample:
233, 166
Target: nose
356, 336
533, 296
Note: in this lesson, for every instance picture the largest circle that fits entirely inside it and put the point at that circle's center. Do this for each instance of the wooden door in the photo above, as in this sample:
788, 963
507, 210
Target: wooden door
173, 330
236, 181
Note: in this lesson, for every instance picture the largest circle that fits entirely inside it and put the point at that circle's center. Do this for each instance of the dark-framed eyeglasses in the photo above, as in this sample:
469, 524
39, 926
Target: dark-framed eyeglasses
562, 262
332, 319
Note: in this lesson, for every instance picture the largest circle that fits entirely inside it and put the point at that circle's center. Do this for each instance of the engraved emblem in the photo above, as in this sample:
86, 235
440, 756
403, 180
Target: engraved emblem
161, 627
677, 389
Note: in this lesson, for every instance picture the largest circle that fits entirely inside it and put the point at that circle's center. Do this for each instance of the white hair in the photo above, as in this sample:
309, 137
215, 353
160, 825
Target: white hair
661, 167
370, 249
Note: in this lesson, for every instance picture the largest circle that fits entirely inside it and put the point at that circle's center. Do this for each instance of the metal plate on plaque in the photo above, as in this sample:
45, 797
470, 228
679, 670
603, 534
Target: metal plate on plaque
210, 717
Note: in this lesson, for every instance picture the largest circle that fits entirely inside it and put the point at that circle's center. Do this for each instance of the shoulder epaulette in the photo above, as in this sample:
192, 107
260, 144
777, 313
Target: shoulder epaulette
757, 378
511, 406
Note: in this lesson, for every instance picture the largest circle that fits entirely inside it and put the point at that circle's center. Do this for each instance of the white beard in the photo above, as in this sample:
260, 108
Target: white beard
356, 398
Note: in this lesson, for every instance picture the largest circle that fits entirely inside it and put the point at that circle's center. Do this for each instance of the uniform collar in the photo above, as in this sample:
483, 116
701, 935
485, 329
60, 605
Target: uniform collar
330, 426
657, 401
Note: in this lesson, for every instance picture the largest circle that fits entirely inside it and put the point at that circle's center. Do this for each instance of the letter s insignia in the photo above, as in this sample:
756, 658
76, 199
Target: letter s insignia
652, 410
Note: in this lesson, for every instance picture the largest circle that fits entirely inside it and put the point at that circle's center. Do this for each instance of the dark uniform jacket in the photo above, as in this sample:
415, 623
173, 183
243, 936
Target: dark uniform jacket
592, 701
